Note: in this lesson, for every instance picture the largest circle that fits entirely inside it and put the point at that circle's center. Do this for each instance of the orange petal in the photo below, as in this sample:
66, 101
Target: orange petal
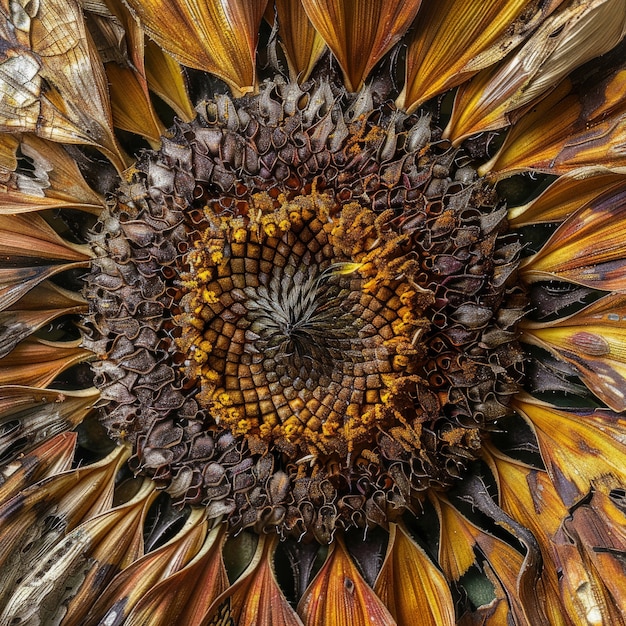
579, 447
577, 126
185, 597
568, 38
302, 43
218, 37
29, 416
30, 235
409, 584
593, 340
589, 248
360, 32
53, 182
37, 363
529, 497
256, 597
128, 587
452, 40
131, 106
565, 196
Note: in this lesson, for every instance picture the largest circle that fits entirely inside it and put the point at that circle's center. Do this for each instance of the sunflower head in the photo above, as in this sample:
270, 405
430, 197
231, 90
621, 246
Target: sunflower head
332, 293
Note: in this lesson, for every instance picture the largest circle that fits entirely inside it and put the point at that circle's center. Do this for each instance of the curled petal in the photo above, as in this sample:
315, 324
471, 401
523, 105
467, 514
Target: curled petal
568, 38
219, 37
452, 40
29, 416
360, 32
589, 248
592, 340
410, 584
54, 181
577, 126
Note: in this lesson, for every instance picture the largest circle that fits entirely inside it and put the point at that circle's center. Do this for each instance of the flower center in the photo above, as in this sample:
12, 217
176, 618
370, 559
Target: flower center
303, 309
300, 321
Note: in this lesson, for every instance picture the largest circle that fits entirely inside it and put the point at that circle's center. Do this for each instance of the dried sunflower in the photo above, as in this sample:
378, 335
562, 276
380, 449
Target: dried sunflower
312, 312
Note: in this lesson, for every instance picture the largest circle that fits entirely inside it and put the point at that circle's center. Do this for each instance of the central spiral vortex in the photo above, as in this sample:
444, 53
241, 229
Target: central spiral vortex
304, 310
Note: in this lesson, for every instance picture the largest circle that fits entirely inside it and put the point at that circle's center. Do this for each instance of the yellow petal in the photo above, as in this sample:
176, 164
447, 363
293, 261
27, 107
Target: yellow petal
577, 126
29, 416
54, 181
256, 597
165, 79
218, 37
185, 597
568, 38
579, 447
453, 39
589, 248
594, 342
129, 586
302, 43
360, 32
565, 196
409, 584
338, 595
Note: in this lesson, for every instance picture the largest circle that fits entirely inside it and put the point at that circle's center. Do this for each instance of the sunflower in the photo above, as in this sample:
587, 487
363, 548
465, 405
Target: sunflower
312, 312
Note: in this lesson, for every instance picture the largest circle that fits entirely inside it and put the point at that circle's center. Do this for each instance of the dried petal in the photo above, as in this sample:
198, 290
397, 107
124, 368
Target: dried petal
409, 584
360, 32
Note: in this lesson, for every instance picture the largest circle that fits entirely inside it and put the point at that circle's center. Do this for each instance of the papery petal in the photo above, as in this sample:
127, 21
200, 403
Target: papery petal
74, 106
218, 37
256, 597
581, 125
568, 38
37, 363
52, 457
598, 527
360, 32
33, 521
453, 39
303, 44
31, 236
43, 304
565, 196
130, 585
589, 248
410, 584
185, 597
578, 447
593, 340
528, 496
54, 181
338, 595
29, 416
80, 565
